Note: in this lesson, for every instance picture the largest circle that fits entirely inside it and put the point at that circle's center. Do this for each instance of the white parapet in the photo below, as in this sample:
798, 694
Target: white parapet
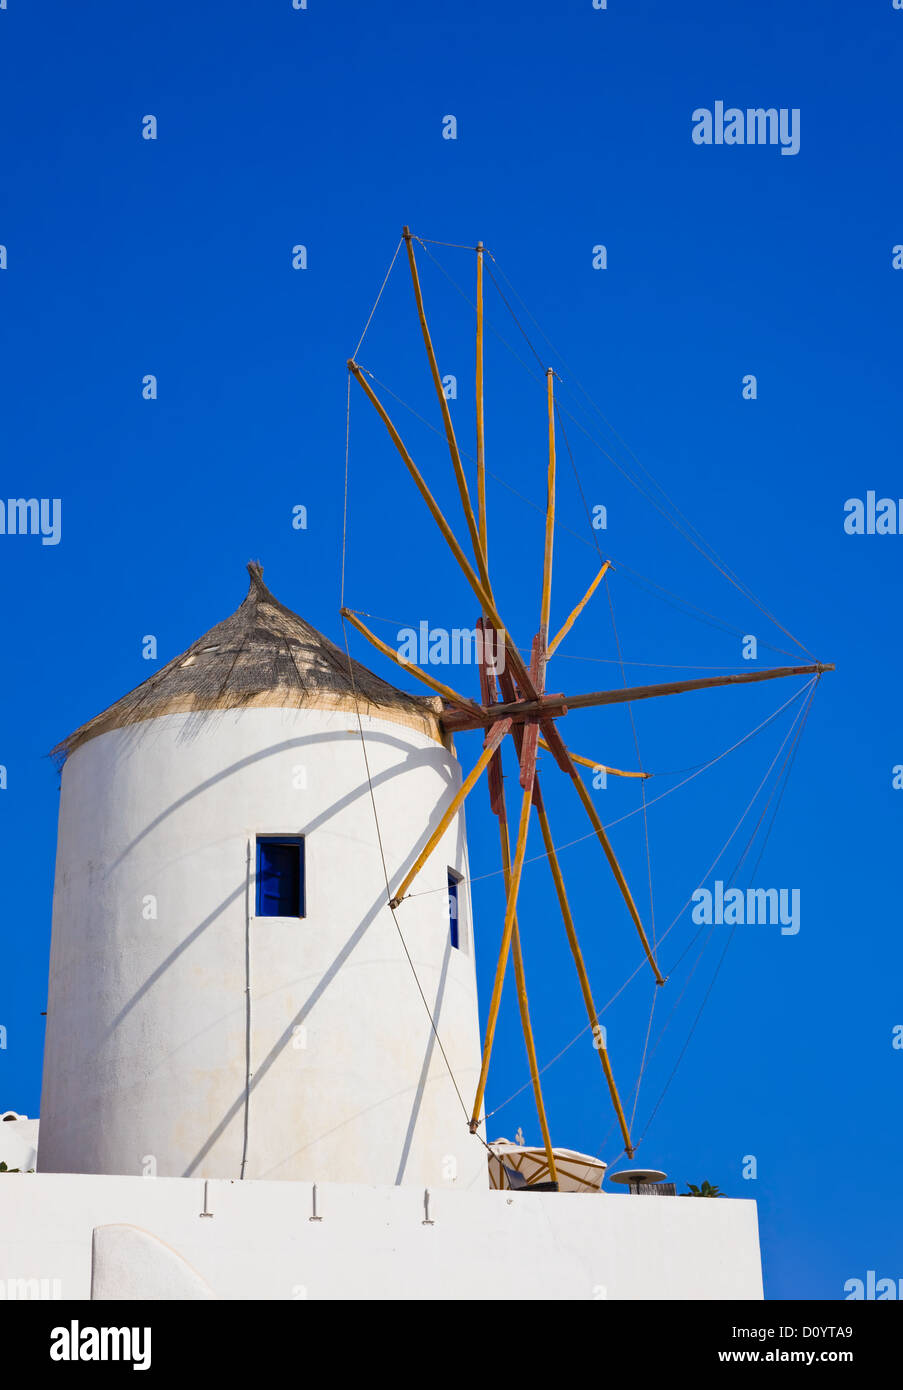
276, 1240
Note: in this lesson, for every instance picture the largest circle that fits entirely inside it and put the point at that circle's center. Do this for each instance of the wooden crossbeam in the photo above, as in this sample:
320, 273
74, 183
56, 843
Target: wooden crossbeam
488, 694
552, 706
547, 708
530, 731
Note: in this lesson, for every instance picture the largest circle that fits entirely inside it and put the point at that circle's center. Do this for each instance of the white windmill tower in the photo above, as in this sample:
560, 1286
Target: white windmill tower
230, 995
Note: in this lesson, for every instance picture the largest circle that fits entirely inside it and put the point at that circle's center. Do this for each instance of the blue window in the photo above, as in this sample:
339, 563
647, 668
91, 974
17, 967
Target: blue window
453, 882
280, 876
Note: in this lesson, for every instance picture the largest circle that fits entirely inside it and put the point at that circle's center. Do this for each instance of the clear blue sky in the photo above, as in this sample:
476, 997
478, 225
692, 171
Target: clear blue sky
173, 257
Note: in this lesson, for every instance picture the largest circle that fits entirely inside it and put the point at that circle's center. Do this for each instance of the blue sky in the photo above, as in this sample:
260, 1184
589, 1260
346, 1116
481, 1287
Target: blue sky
323, 127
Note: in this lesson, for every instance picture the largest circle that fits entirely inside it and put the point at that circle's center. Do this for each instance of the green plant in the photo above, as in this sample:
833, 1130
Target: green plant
706, 1190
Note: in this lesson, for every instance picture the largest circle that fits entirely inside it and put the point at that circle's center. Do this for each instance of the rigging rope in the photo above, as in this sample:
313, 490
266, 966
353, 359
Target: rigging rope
345, 502
694, 537
379, 838
690, 609
687, 530
566, 656
701, 544
382, 856
785, 774
636, 1094
694, 772
643, 963
378, 298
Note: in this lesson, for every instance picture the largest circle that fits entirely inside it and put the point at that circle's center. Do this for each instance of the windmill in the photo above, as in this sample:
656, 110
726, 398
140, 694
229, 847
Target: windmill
515, 708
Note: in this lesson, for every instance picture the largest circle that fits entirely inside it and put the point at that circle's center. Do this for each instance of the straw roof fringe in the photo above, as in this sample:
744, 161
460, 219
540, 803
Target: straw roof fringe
264, 654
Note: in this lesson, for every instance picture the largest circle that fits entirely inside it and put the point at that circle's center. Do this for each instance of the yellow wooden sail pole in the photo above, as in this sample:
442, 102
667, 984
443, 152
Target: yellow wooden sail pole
523, 1003
616, 870
446, 417
512, 655
573, 616
524, 1006
444, 690
527, 778
527, 749
496, 734
510, 910
551, 705
415, 473
581, 970
594, 763
481, 437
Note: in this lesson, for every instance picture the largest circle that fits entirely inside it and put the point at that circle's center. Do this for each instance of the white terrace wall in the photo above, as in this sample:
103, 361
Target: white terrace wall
259, 1242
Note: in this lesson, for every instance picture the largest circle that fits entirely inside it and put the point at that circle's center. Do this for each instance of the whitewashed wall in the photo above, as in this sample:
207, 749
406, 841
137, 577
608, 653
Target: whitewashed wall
371, 1243
145, 1059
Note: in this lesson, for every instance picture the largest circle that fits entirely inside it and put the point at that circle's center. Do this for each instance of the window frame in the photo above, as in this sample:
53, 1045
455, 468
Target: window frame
456, 880
295, 842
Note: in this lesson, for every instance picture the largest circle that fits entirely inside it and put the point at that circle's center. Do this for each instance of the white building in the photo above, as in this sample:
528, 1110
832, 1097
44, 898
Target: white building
235, 1016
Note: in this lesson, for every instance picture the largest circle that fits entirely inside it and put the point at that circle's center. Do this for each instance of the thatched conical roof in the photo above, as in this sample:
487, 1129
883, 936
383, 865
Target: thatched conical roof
264, 654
